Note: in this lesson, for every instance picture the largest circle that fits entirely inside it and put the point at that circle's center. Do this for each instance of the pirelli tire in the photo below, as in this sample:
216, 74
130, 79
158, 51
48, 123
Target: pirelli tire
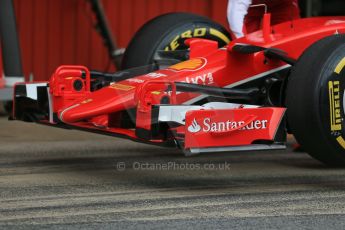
315, 100
168, 32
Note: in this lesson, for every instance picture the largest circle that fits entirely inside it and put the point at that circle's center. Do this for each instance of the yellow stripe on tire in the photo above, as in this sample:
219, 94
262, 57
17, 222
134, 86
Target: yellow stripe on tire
219, 35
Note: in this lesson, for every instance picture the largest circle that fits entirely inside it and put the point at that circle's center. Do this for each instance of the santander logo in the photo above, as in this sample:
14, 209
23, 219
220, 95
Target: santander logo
194, 127
222, 126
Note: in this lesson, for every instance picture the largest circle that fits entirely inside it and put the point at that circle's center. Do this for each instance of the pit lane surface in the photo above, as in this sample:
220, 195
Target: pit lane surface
55, 178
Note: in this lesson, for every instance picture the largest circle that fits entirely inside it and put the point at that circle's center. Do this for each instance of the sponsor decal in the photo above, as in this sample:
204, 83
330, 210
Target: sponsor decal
208, 125
205, 79
334, 102
194, 127
135, 80
86, 101
121, 87
190, 65
156, 75
155, 92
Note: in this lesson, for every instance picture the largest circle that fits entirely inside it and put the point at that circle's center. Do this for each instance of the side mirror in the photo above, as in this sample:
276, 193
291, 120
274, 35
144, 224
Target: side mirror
266, 23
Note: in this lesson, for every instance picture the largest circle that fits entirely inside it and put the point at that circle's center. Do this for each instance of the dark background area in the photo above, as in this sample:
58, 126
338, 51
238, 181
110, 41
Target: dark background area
57, 32
322, 7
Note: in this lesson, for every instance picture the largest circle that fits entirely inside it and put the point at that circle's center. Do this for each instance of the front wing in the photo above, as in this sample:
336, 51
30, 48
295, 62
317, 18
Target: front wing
211, 127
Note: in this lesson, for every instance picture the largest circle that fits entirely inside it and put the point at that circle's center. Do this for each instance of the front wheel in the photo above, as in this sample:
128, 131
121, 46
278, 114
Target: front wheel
315, 100
168, 33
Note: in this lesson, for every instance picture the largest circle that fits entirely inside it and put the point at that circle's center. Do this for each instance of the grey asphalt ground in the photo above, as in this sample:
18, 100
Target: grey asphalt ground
61, 179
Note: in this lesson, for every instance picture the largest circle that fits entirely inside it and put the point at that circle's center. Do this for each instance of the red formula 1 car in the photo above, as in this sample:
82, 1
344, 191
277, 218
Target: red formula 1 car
247, 95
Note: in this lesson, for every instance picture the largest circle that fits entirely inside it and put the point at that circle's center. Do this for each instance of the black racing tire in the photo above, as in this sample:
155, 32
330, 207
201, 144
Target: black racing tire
168, 32
315, 100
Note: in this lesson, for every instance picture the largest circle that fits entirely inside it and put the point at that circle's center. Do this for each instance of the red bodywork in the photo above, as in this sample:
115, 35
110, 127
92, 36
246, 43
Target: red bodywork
100, 110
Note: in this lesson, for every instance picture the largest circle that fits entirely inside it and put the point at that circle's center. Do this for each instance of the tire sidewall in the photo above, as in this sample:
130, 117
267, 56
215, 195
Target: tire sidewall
329, 102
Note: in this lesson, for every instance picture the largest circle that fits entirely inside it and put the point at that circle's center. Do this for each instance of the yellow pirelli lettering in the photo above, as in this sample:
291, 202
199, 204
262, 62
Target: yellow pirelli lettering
334, 105
187, 34
199, 32
341, 141
174, 44
340, 66
220, 35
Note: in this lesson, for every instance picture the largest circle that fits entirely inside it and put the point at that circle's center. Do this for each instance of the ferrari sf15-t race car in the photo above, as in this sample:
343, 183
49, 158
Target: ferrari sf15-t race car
183, 86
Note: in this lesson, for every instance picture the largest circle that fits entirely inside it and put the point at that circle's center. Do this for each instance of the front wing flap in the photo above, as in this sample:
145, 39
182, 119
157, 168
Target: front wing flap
233, 127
